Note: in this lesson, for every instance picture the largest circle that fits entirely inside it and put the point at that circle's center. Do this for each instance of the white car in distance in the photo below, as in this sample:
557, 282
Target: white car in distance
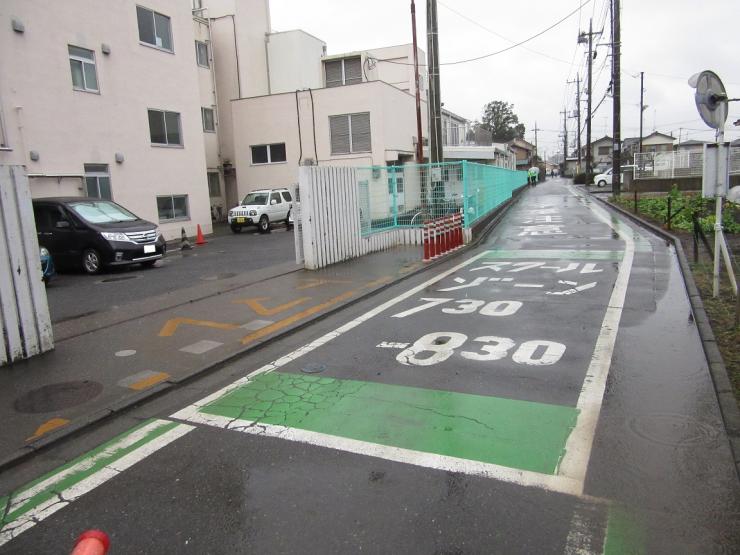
605, 178
262, 208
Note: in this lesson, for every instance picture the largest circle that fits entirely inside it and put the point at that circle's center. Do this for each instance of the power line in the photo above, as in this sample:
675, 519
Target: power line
484, 56
499, 35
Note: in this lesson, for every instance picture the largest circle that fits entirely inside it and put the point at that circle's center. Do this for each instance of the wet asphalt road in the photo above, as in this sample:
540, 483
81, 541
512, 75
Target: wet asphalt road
73, 294
451, 421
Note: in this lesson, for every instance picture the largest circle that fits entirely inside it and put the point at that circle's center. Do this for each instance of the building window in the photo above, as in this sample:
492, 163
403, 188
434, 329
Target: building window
154, 28
97, 181
268, 154
82, 64
350, 133
201, 54
209, 124
164, 128
603, 151
173, 207
347, 71
197, 4
214, 185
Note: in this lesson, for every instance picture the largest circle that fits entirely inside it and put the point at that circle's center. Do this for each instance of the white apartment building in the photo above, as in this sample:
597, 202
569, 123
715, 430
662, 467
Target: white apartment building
106, 99
362, 114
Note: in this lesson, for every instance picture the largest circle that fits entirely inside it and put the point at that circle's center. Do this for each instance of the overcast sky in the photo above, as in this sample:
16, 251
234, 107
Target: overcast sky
667, 39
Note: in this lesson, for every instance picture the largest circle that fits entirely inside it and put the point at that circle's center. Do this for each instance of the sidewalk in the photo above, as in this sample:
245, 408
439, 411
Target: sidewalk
105, 363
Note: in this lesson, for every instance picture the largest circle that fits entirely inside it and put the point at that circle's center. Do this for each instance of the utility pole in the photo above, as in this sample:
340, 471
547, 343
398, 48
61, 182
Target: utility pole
582, 39
419, 140
578, 117
535, 141
435, 108
616, 103
642, 104
565, 139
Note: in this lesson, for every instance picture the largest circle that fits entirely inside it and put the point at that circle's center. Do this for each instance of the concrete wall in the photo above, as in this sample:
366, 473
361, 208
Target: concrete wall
295, 61
666, 185
69, 128
273, 119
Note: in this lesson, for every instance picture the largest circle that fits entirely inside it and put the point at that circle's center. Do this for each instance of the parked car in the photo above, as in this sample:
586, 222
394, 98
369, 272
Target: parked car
605, 178
93, 233
262, 208
47, 265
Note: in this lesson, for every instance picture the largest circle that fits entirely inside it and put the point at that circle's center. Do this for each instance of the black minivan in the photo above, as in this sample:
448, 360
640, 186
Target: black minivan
92, 233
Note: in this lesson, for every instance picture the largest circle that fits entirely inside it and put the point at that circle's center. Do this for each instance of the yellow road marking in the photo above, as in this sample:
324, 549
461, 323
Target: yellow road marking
48, 426
171, 325
308, 283
308, 312
149, 381
256, 305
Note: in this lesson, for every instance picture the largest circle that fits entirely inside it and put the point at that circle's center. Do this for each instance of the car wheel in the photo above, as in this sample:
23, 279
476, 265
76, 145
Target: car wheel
236, 229
602, 183
288, 223
264, 224
91, 261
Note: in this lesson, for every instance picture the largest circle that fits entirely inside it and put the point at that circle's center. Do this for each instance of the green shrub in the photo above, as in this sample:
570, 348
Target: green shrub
683, 205
579, 179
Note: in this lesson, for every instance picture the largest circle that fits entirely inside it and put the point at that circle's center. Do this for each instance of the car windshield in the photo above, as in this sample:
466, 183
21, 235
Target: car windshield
102, 212
255, 198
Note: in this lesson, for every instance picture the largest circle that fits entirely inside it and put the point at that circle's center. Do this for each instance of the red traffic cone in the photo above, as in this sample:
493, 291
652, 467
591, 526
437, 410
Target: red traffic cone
199, 239
92, 542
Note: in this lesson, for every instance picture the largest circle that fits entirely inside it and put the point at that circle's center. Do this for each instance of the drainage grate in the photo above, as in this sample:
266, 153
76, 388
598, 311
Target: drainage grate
53, 397
313, 368
218, 276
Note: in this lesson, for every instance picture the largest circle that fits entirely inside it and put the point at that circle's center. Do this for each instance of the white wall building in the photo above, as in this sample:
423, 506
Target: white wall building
354, 118
106, 98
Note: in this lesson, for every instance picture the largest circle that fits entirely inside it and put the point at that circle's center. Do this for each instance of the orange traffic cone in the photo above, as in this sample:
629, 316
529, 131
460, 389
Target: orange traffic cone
92, 542
199, 239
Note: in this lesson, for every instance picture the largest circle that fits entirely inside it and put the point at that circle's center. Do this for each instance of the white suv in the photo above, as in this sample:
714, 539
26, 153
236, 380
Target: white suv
262, 208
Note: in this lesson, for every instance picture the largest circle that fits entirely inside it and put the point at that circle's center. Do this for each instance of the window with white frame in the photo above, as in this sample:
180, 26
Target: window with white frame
268, 154
214, 185
346, 71
97, 181
201, 53
209, 123
164, 128
197, 4
603, 150
155, 28
84, 73
173, 208
350, 133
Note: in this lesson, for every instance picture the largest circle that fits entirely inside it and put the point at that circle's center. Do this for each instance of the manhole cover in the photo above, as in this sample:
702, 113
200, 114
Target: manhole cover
117, 278
218, 276
313, 368
58, 396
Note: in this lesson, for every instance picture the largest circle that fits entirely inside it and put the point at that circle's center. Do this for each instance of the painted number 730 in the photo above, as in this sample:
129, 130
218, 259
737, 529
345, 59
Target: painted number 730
437, 347
467, 306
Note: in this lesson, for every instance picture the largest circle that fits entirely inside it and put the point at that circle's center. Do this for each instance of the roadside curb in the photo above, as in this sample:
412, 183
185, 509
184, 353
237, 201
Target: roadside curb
123, 405
717, 369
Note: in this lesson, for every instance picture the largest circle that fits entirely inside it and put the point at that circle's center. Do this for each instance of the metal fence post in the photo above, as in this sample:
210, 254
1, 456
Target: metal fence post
464, 165
394, 184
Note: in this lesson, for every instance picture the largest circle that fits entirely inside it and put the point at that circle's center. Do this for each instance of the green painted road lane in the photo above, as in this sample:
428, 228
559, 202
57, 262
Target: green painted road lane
54, 490
512, 433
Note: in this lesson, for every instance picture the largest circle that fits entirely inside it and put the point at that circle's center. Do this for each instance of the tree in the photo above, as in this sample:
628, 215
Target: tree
500, 119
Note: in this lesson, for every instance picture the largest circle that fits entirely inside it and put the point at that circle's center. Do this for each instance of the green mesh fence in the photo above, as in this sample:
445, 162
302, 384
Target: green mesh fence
408, 195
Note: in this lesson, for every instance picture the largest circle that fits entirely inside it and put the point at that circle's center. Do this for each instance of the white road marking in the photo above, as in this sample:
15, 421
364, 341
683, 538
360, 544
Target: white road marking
125, 353
530, 285
392, 345
560, 484
200, 347
68, 495
190, 412
580, 442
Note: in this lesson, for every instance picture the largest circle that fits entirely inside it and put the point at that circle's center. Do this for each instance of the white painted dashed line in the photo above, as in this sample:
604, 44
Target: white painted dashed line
255, 325
200, 347
529, 285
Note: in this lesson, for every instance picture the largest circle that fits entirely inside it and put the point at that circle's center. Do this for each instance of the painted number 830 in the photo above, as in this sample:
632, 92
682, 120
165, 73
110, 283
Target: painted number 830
437, 347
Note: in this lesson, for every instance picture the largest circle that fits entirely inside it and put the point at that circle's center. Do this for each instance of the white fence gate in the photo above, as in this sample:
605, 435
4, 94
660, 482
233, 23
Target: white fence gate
24, 313
328, 223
